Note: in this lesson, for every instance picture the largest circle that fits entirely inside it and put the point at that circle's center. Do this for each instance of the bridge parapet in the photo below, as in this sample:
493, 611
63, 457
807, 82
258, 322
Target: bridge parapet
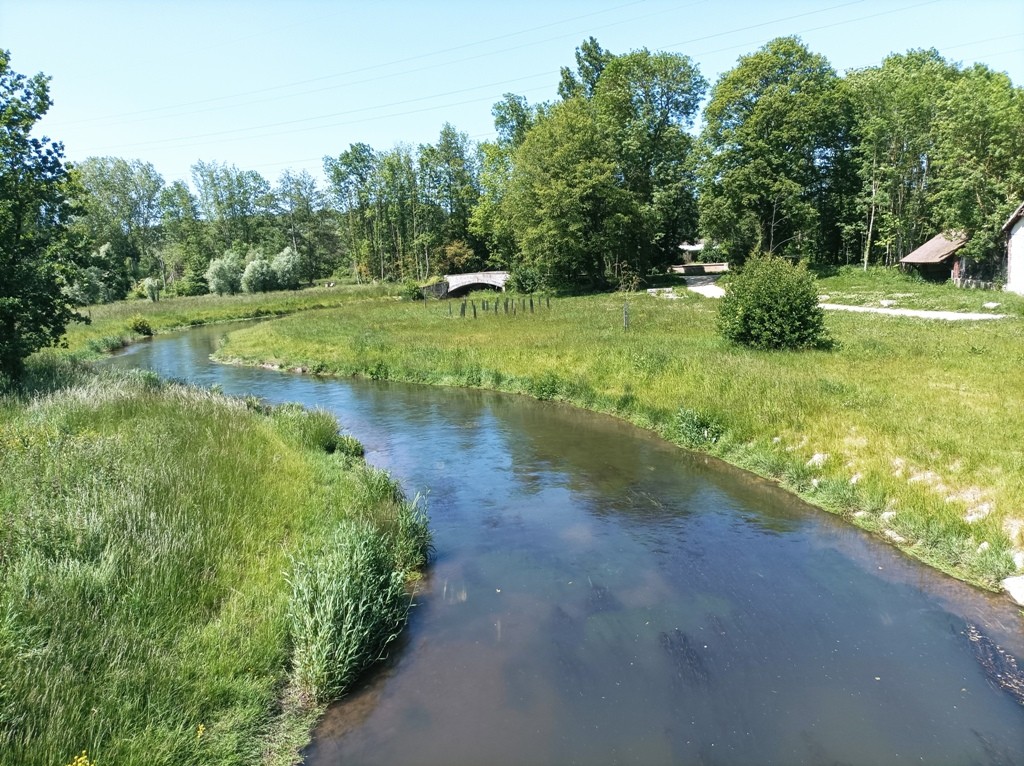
463, 282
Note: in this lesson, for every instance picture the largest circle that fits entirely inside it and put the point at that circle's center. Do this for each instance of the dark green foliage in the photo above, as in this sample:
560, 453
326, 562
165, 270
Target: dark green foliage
523, 279
772, 304
411, 291
37, 260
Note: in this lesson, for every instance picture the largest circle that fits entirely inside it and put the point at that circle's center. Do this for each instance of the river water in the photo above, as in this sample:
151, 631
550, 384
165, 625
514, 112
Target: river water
600, 596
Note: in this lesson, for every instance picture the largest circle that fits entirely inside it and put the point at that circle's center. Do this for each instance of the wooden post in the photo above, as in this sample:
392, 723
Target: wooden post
625, 316
531, 304
462, 309
473, 303
449, 308
547, 299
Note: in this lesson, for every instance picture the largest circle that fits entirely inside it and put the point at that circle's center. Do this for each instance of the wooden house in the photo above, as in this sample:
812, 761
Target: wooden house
937, 258
1014, 231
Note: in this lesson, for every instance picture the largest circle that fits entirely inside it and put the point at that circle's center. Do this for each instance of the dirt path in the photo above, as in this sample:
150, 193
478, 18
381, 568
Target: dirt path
920, 313
706, 286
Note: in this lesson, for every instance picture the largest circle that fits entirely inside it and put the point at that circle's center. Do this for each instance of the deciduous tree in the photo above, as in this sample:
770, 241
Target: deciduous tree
37, 259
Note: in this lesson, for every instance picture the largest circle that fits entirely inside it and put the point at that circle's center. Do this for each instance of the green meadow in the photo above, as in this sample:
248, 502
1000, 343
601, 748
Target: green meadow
185, 578
910, 428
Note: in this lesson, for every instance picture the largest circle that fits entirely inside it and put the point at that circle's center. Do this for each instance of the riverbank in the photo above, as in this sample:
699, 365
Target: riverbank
115, 325
176, 569
906, 429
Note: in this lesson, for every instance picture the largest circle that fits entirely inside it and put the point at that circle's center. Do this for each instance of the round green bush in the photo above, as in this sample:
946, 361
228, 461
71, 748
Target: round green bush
773, 304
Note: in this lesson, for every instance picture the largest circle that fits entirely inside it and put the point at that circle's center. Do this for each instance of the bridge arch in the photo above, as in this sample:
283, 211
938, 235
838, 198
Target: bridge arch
460, 284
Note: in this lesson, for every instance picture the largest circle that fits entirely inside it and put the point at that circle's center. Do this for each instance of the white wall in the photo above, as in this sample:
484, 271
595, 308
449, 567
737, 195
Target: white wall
1015, 258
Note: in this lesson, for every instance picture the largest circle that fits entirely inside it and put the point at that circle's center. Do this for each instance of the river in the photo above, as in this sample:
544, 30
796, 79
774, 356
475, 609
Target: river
600, 596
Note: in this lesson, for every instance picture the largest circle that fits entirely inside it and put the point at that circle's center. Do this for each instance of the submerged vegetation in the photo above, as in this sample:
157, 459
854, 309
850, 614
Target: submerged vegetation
179, 570
906, 427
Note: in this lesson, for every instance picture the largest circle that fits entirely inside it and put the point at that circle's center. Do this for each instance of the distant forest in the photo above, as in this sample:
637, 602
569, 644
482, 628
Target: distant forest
597, 189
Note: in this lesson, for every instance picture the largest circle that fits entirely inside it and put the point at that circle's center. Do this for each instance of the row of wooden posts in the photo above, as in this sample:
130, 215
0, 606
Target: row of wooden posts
511, 305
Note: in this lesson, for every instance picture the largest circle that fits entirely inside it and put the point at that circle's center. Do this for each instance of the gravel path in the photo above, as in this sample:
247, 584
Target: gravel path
947, 315
706, 286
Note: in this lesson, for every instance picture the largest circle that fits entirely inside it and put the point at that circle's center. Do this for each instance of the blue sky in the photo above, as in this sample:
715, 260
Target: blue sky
273, 85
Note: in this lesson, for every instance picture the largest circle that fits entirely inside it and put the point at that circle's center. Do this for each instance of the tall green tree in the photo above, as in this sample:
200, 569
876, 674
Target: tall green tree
121, 206
775, 162
591, 59
570, 214
895, 107
185, 249
38, 261
237, 205
648, 102
349, 178
307, 223
979, 162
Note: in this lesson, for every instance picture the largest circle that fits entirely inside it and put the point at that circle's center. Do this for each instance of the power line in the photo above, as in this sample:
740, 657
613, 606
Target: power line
349, 72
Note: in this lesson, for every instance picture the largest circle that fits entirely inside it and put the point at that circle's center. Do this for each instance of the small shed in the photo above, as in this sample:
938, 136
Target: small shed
937, 258
1014, 231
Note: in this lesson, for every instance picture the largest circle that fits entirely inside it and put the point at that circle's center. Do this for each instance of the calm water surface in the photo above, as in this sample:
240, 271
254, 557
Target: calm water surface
599, 596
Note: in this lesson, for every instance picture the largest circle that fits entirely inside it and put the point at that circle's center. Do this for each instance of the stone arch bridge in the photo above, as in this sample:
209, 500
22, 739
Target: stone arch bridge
460, 284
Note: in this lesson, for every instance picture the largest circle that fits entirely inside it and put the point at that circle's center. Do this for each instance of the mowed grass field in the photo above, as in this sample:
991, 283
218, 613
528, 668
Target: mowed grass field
910, 428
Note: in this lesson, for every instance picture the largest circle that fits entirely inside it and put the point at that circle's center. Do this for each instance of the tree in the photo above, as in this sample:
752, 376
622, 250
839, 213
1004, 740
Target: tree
185, 250
38, 260
121, 205
238, 205
224, 275
349, 177
591, 59
259, 276
648, 102
979, 163
775, 156
302, 207
568, 211
895, 107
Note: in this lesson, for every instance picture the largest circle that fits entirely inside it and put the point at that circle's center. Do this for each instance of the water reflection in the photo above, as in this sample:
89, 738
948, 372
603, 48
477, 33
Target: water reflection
601, 597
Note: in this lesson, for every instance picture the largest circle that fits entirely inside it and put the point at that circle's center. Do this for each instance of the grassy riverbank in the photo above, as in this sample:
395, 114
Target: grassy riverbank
909, 428
184, 578
114, 325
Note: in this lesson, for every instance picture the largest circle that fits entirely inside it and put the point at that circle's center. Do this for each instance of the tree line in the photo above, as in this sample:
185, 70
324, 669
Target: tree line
593, 190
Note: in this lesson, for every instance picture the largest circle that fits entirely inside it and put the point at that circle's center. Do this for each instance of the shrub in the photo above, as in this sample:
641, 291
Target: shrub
772, 304
287, 265
523, 279
410, 291
225, 274
259, 276
152, 288
139, 325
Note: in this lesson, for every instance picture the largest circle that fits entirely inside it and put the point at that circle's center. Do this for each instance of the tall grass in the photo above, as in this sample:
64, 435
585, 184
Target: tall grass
910, 428
147, 533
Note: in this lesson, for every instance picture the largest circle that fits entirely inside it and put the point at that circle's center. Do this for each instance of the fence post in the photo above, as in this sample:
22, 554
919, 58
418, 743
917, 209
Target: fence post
625, 316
